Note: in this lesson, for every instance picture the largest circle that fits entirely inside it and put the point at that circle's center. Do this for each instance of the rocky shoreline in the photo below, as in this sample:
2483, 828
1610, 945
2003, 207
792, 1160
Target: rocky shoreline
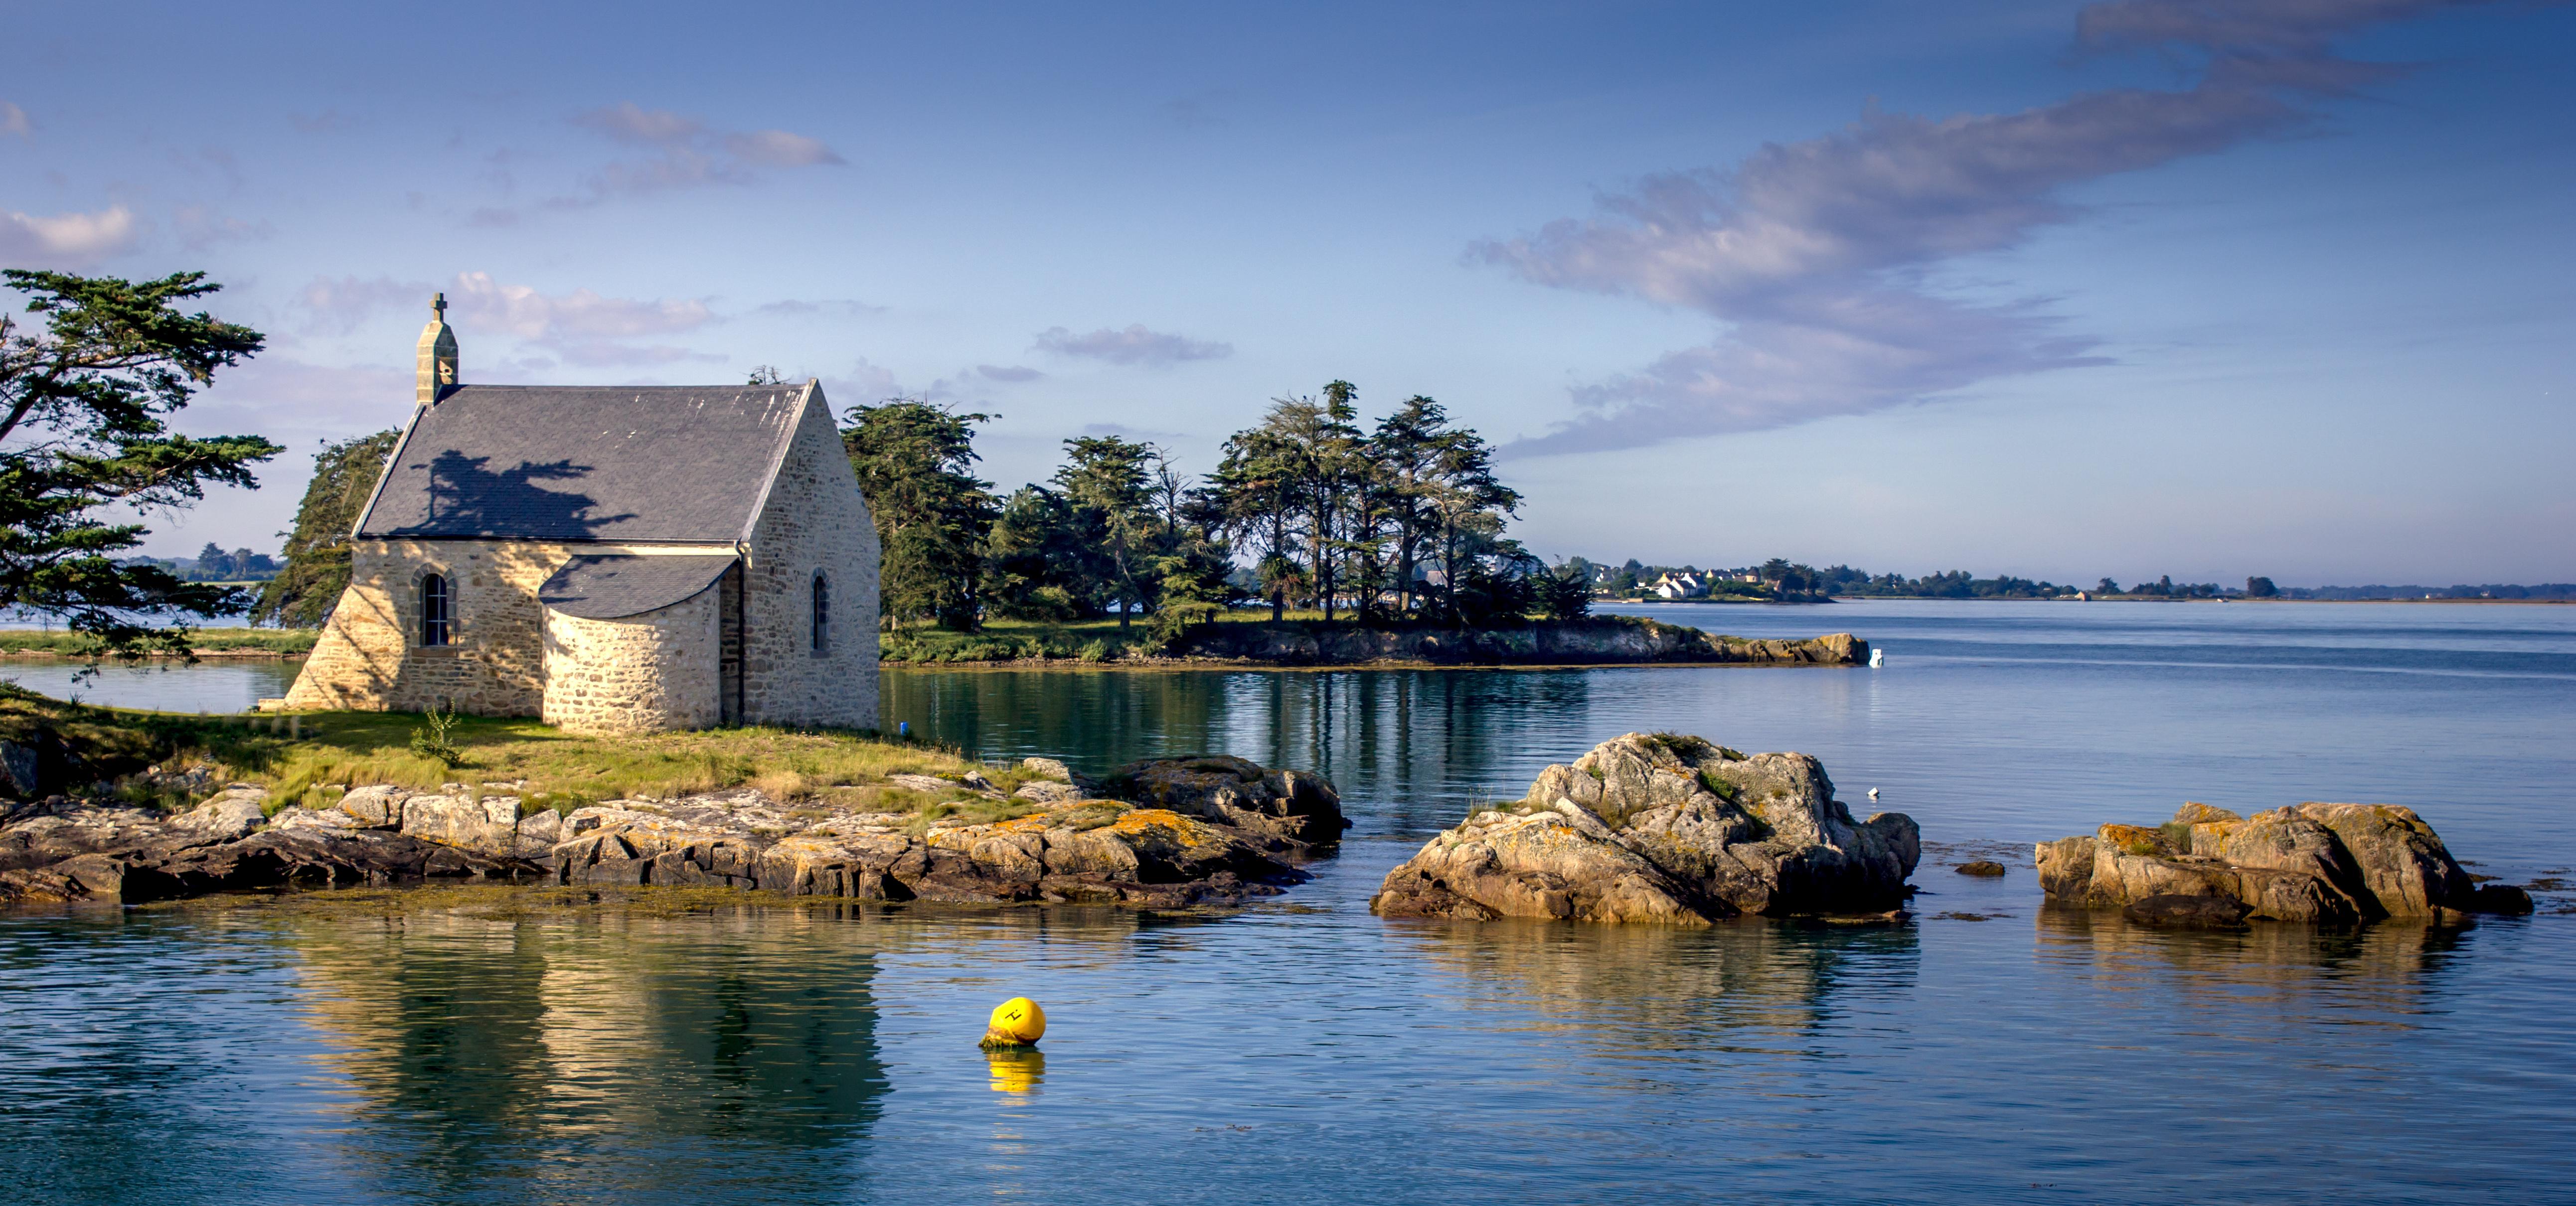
1167, 833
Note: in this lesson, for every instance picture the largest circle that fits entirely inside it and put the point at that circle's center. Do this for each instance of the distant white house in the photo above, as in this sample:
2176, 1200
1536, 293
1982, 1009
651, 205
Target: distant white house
1680, 586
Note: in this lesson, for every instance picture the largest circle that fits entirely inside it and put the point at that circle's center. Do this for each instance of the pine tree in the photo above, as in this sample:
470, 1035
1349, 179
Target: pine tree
913, 461
1105, 479
82, 428
317, 550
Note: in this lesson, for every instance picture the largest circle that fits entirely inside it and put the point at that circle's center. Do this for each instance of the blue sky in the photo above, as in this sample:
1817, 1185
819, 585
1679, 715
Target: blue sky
2060, 290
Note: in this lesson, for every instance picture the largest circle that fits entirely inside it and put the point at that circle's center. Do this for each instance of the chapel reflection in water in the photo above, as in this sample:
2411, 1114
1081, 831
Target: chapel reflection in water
484, 1058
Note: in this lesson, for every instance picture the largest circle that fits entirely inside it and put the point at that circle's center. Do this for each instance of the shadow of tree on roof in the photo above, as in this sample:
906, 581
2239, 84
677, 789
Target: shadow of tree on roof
465, 496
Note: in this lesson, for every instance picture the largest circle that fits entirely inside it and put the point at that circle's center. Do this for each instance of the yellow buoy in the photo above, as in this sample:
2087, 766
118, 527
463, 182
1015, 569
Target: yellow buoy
1017, 1022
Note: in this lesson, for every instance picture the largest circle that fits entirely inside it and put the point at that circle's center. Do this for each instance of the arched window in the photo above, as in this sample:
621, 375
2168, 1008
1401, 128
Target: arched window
822, 614
436, 610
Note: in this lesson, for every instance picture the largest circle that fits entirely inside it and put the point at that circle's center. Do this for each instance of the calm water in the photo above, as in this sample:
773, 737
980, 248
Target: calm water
1306, 1051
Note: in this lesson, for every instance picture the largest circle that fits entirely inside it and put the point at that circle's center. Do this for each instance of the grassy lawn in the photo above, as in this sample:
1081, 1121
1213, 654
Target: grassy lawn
282, 641
310, 758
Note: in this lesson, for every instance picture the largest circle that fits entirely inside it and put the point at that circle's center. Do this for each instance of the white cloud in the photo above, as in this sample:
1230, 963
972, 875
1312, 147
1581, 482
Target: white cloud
800, 306
778, 148
866, 384
1134, 345
200, 228
563, 319
13, 120
341, 303
581, 327
629, 122
685, 154
1011, 372
72, 240
1815, 254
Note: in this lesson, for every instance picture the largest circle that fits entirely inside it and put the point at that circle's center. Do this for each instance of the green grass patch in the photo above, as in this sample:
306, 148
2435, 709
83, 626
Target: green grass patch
310, 758
283, 642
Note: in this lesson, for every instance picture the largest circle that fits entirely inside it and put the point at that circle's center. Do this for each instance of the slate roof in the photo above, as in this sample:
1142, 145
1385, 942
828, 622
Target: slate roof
588, 462
606, 588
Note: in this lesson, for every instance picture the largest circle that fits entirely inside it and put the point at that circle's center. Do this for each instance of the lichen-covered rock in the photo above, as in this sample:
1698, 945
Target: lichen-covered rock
229, 815
1296, 807
1562, 864
2333, 863
1662, 828
2400, 860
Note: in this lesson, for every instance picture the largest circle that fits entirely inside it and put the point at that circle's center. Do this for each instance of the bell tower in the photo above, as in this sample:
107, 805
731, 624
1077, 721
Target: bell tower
437, 354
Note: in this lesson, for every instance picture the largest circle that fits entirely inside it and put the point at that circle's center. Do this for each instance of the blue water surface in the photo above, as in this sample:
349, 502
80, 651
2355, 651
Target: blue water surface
1303, 1050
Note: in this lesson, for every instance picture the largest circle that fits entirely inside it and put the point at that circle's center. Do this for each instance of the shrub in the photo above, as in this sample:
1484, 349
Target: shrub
435, 740
1175, 620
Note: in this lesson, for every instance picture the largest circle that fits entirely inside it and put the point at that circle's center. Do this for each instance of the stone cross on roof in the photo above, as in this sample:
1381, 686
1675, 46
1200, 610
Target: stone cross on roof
437, 354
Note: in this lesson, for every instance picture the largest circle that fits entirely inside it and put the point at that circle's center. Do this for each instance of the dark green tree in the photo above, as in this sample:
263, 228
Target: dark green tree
1256, 488
1471, 505
914, 462
1336, 476
1565, 593
2261, 588
83, 406
1108, 482
317, 550
1034, 558
1191, 562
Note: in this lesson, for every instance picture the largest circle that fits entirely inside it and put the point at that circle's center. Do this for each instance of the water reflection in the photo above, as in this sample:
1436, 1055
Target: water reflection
2391, 968
475, 1059
1755, 985
1016, 1072
1418, 743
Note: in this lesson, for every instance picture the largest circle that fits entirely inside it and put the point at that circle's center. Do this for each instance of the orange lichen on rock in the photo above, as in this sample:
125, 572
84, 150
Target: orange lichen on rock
2135, 839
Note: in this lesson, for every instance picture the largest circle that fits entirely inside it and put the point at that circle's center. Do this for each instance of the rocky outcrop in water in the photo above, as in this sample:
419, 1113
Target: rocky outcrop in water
1194, 831
1597, 640
2331, 863
1662, 828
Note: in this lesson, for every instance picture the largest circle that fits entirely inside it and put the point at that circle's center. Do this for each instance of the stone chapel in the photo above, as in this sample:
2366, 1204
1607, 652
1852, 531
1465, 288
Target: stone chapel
613, 559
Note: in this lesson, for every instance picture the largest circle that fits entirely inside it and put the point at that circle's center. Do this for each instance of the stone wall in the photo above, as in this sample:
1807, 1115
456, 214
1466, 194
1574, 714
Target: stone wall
368, 657
814, 520
637, 674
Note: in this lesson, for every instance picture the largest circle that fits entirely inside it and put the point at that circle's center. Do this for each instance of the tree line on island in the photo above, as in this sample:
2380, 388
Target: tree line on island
1401, 521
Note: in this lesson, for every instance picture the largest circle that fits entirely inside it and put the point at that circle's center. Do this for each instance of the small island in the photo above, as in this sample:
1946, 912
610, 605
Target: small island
1246, 639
